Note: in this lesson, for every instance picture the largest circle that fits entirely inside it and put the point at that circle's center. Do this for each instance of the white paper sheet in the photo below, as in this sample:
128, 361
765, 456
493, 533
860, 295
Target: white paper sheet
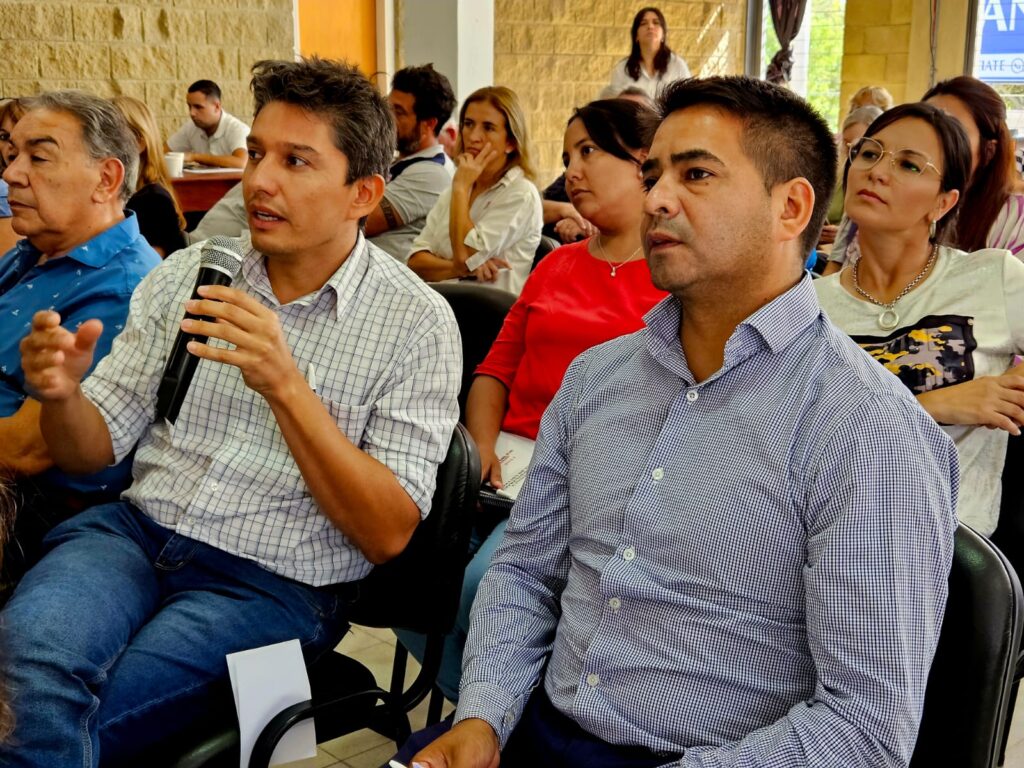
514, 453
265, 681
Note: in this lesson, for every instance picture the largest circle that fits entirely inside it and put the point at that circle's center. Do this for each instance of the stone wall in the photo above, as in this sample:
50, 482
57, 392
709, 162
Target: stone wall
557, 54
876, 47
142, 48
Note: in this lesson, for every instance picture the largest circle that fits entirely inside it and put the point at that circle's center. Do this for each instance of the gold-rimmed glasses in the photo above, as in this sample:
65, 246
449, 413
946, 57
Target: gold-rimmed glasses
906, 163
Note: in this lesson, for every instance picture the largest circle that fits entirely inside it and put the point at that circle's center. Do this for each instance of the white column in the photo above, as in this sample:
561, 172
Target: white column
456, 36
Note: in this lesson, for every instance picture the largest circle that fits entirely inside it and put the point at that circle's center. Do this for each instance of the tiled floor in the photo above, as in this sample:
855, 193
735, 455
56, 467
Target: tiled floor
365, 749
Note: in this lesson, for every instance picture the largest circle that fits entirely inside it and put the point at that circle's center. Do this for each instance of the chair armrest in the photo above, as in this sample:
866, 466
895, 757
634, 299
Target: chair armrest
356, 708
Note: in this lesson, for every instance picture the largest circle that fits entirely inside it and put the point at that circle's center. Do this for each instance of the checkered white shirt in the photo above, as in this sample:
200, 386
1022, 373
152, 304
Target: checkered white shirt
387, 357
748, 571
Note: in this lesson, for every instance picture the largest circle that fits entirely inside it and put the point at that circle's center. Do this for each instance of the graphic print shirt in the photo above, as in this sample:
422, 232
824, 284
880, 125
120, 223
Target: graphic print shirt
966, 320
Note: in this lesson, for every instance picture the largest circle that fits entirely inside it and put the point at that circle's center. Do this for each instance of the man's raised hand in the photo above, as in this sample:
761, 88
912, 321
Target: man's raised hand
54, 359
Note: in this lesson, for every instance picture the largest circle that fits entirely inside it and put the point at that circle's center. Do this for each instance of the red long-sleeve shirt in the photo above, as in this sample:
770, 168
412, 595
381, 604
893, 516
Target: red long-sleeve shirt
570, 303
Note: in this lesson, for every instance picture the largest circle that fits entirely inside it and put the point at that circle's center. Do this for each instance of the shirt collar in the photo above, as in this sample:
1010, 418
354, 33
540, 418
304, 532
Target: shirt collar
97, 251
343, 283
512, 174
436, 149
221, 126
774, 326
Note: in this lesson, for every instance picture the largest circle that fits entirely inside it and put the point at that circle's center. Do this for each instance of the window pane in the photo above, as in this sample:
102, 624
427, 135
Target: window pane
817, 54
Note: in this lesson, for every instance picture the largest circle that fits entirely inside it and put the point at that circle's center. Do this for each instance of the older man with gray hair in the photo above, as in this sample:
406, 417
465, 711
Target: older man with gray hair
74, 164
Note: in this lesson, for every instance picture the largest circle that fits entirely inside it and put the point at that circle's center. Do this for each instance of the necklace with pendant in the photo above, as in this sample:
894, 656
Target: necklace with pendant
889, 318
615, 267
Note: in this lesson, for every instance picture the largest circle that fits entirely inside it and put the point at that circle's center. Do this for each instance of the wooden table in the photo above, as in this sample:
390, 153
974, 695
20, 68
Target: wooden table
197, 192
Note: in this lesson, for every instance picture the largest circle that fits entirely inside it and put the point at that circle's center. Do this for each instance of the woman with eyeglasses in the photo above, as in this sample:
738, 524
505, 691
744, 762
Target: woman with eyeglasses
10, 112
991, 210
948, 323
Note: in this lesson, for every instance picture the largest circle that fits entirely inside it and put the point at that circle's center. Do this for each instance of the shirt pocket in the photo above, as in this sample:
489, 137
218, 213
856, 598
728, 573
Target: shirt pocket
351, 419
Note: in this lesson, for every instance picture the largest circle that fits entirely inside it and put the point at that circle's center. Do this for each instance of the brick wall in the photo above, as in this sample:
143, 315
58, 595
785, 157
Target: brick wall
876, 47
142, 48
557, 54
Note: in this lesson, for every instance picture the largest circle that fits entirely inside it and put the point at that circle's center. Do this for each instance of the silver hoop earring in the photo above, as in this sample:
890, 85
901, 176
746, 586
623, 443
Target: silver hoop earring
931, 230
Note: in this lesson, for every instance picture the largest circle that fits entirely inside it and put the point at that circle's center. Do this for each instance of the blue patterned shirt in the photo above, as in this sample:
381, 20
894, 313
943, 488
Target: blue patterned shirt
749, 571
93, 280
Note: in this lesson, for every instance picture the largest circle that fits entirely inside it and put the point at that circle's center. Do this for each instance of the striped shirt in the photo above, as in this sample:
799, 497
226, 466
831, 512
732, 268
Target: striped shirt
749, 571
387, 358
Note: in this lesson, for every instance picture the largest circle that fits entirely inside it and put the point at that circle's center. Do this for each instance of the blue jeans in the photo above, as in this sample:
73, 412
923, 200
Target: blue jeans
455, 642
116, 639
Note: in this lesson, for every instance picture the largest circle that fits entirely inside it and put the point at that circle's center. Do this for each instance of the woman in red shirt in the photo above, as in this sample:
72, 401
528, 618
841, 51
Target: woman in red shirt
581, 294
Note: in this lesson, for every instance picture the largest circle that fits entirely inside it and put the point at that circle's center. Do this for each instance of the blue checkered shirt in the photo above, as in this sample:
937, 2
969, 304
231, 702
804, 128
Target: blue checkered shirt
387, 357
748, 571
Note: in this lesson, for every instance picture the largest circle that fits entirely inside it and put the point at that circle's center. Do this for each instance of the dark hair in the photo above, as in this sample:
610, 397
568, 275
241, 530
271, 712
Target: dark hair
431, 92
783, 135
105, 131
661, 58
206, 87
956, 154
993, 179
618, 126
364, 129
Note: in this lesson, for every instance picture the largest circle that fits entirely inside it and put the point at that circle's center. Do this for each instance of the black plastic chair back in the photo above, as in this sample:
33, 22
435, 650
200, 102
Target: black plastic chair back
480, 312
419, 590
546, 246
969, 685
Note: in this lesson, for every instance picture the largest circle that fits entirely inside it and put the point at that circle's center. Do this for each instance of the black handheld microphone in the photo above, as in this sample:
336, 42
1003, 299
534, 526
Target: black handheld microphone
219, 262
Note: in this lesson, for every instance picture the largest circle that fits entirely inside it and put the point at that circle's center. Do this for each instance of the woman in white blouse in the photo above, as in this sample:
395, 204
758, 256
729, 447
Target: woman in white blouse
487, 226
651, 64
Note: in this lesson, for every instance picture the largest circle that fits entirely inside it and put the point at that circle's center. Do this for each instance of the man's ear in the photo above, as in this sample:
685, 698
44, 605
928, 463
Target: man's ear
369, 191
430, 124
110, 181
793, 206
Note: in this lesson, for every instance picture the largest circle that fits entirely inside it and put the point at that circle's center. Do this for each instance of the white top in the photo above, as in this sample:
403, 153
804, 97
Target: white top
507, 221
966, 320
229, 136
413, 194
384, 351
652, 86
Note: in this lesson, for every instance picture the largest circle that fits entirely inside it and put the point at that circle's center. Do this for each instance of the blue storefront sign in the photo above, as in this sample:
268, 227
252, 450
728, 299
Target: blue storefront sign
1000, 57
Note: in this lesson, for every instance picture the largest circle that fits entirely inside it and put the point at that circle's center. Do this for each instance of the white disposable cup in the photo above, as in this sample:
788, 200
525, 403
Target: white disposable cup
175, 162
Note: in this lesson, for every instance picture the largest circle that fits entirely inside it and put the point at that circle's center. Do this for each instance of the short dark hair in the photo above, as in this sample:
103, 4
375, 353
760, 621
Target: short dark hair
432, 93
364, 129
783, 135
956, 154
206, 87
618, 126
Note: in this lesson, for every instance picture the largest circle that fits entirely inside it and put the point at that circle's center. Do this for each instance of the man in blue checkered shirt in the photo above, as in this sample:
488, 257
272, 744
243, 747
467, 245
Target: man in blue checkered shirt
305, 451
733, 544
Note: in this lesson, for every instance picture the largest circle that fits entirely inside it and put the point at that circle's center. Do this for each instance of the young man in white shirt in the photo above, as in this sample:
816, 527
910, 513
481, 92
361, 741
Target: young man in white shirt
213, 137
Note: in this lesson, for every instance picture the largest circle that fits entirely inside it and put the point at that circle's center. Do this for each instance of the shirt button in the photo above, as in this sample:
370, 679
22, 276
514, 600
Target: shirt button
214, 486
692, 395
658, 473
615, 603
510, 717
593, 679
628, 554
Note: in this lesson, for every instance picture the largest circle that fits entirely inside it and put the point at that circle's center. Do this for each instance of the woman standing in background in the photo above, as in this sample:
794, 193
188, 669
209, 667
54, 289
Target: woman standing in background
651, 64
